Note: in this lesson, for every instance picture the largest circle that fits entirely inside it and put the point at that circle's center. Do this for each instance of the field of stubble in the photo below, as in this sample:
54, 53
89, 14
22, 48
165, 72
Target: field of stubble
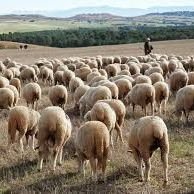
18, 173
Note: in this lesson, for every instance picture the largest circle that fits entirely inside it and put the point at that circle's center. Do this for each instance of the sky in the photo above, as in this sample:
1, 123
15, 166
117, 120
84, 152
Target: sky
7, 6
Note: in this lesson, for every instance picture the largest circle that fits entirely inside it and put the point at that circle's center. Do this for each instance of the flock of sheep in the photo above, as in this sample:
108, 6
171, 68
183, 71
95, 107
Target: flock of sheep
102, 89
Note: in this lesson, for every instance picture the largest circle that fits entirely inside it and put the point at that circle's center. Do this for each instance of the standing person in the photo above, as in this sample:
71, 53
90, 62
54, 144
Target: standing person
148, 47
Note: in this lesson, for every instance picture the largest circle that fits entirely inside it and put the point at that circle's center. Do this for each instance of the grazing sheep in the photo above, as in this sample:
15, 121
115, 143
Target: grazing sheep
161, 94
28, 74
58, 77
172, 65
191, 78
184, 102
124, 87
112, 70
103, 73
121, 77
124, 72
16, 94
144, 67
3, 82
74, 83
156, 77
58, 95
96, 79
25, 121
82, 73
92, 143
142, 79
148, 134
6, 98
92, 75
133, 68
67, 76
164, 66
141, 94
92, 95
46, 74
31, 94
177, 80
2, 67
154, 70
8, 74
16, 82
79, 92
54, 131
117, 59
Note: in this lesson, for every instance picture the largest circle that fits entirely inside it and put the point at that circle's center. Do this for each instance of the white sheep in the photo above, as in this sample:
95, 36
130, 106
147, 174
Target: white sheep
58, 95
25, 121
16, 82
74, 83
31, 94
6, 98
54, 131
16, 94
161, 95
148, 134
92, 143
142, 94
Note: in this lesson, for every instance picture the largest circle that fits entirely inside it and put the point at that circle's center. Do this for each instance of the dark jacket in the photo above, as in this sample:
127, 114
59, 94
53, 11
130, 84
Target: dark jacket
147, 48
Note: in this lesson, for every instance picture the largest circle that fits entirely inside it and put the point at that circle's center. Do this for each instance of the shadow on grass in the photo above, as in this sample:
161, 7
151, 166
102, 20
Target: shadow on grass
17, 171
58, 183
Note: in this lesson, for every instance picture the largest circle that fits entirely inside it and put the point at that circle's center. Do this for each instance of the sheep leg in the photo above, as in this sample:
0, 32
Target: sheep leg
21, 134
36, 107
60, 156
147, 168
164, 158
111, 139
152, 108
40, 161
56, 152
33, 139
139, 161
94, 168
145, 111
133, 108
104, 160
165, 101
119, 132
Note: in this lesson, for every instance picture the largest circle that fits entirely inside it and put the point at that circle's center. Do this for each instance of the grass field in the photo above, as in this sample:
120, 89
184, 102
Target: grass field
18, 173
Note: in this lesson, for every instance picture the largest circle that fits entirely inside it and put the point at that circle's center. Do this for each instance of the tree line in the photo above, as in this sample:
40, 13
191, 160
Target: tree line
99, 36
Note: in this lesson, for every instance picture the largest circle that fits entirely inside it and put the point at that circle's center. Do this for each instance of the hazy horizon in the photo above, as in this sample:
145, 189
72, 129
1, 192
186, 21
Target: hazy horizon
10, 6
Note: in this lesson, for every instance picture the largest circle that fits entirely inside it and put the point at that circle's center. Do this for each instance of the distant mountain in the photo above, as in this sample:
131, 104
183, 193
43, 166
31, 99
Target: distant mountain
125, 12
96, 17
176, 13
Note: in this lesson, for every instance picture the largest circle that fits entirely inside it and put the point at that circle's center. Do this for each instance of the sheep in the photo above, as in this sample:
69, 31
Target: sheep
31, 94
16, 82
58, 77
16, 93
172, 65
156, 77
54, 131
191, 78
184, 102
58, 96
92, 95
67, 76
112, 70
6, 98
124, 72
164, 66
124, 59
144, 67
82, 73
142, 94
8, 74
121, 77
2, 67
3, 82
103, 73
46, 74
113, 88
92, 143
148, 134
161, 94
177, 80
117, 59
154, 70
124, 67
15, 71
124, 87
142, 79
79, 92
96, 79
28, 74
133, 68
25, 121
92, 75
74, 83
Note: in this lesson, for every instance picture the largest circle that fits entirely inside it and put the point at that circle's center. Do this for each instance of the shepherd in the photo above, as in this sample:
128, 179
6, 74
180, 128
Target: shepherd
148, 47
